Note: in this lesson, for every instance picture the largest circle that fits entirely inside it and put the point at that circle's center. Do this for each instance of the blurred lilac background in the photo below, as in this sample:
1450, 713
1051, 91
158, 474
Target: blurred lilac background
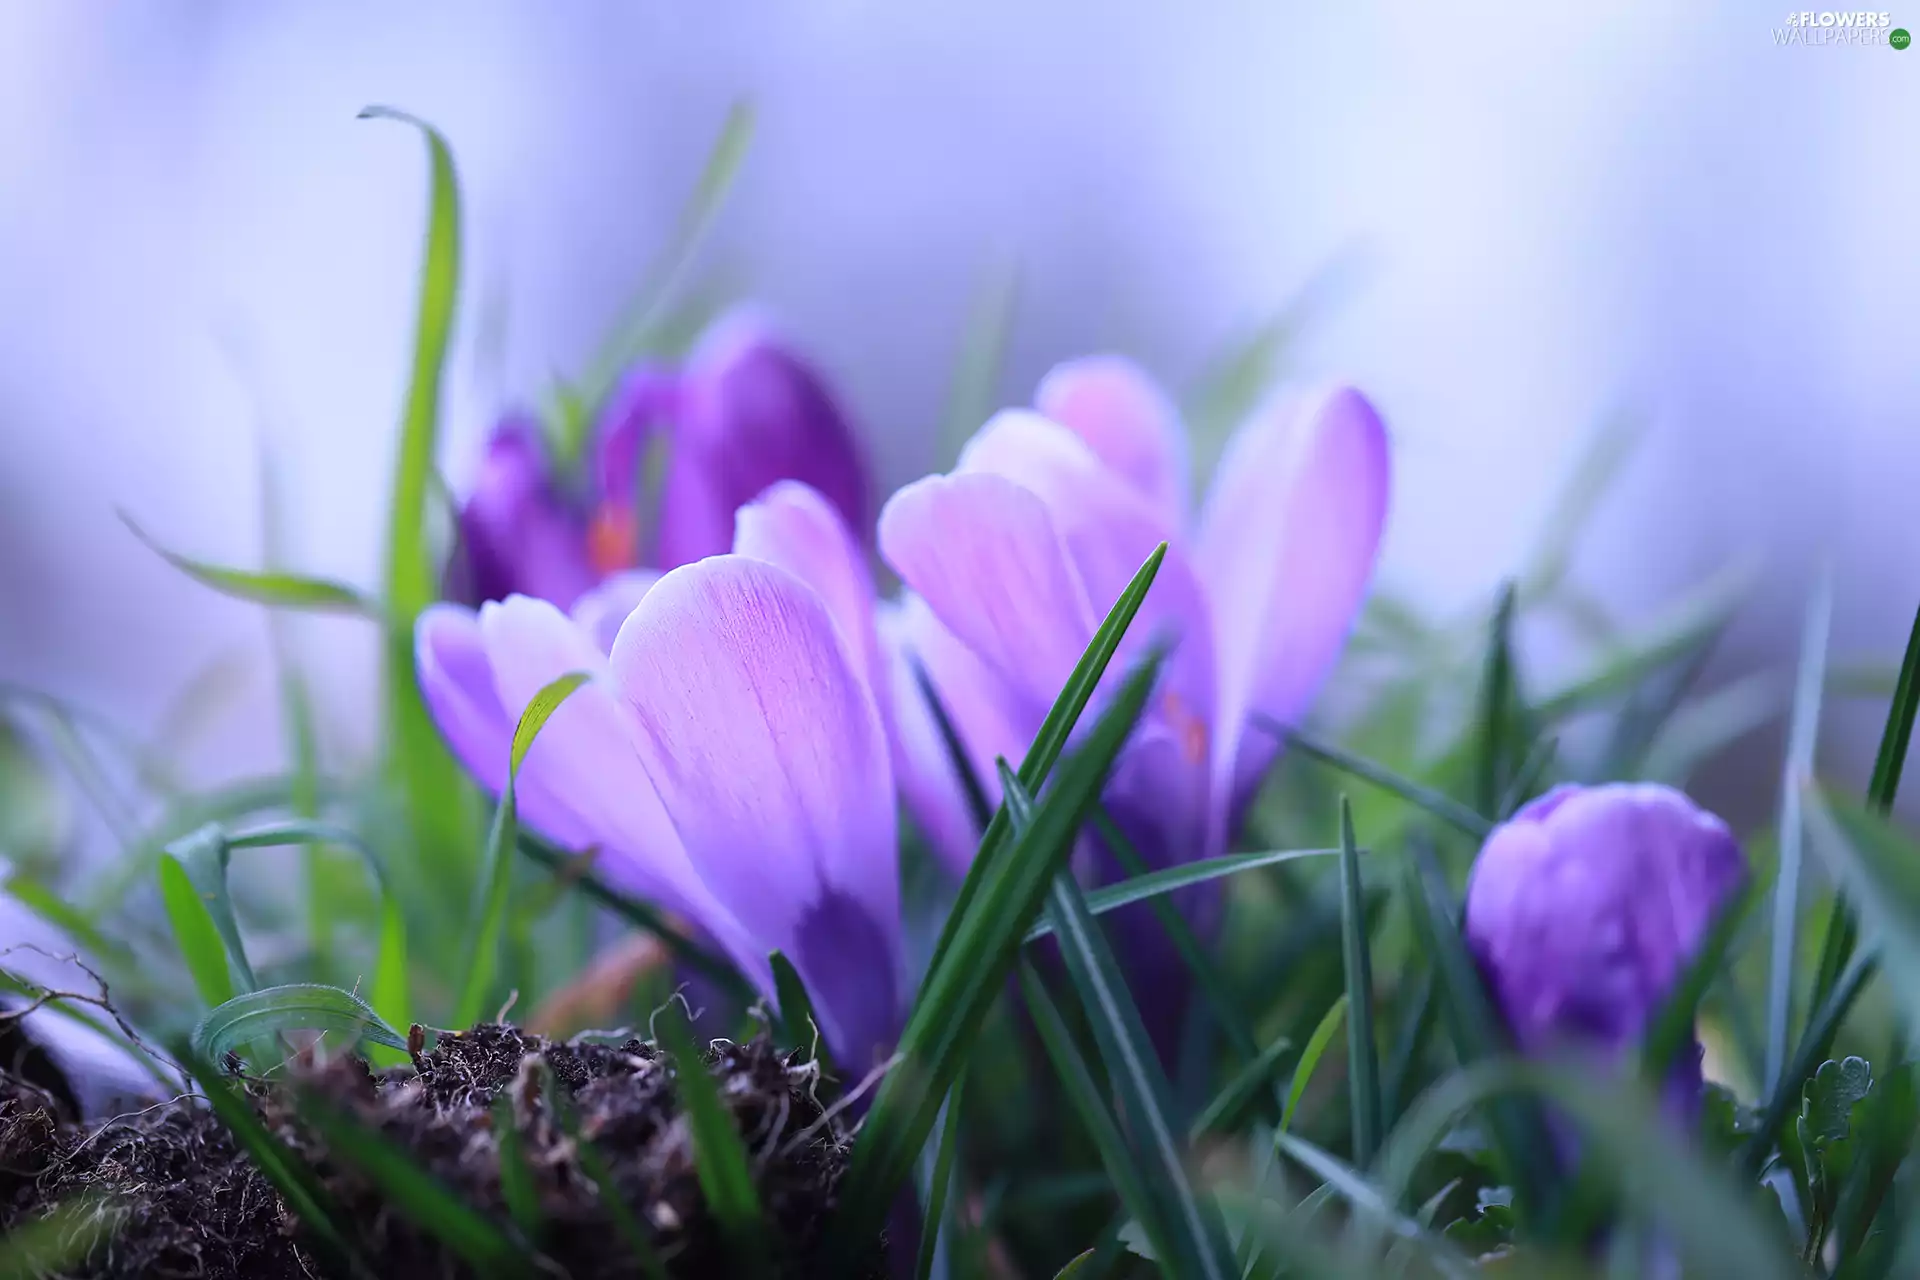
1545, 217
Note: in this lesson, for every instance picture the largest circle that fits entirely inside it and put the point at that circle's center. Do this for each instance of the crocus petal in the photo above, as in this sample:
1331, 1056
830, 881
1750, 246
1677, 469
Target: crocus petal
517, 532
601, 611
765, 746
1286, 547
1127, 420
987, 717
748, 413
982, 551
456, 679
793, 526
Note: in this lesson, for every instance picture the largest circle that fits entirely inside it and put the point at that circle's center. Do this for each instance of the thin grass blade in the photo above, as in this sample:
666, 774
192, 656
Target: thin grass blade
934, 1221
720, 1158
1445, 808
1363, 1065
268, 587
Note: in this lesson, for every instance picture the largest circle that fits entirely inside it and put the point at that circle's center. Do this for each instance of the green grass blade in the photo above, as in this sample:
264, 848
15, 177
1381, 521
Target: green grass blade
1224, 1107
1892, 756
59, 1242
1089, 1103
416, 1194
1352, 1186
1363, 1069
195, 932
490, 919
934, 1219
1802, 733
297, 1184
1049, 741
1155, 884
796, 1011
1317, 1043
517, 1186
431, 784
600, 1173
1080, 1268
974, 393
720, 1157
268, 587
982, 942
303, 1006
1445, 808
1133, 1067
1497, 695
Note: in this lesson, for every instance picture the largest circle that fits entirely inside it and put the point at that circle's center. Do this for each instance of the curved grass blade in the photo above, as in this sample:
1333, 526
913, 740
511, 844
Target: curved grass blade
1154, 884
1802, 732
199, 938
297, 1184
268, 587
1197, 1239
490, 919
1222, 1109
1363, 1066
935, 1217
416, 1194
296, 1006
1352, 1186
1317, 1043
720, 1158
1445, 808
982, 940
1080, 1268
431, 784
796, 1011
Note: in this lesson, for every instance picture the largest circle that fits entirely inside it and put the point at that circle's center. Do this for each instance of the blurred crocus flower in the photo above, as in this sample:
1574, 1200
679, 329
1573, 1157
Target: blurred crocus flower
727, 758
1584, 911
1014, 557
742, 412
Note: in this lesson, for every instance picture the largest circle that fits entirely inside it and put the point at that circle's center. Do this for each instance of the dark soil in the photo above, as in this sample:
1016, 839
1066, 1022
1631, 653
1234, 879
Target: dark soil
169, 1194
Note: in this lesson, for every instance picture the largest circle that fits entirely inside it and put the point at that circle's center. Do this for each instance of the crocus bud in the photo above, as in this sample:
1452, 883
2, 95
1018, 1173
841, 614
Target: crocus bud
744, 413
518, 533
1585, 910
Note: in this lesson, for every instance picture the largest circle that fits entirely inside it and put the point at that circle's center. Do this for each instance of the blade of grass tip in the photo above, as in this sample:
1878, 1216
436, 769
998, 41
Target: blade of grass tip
982, 944
411, 1191
194, 930
1497, 693
1445, 808
1223, 1109
1080, 1267
796, 1011
630, 336
1801, 735
268, 587
1133, 1067
296, 1006
431, 783
1048, 742
1148, 886
517, 1186
1089, 1103
719, 1156
934, 1223
1363, 1069
974, 392
491, 916
299, 1187
1323, 1033
572, 869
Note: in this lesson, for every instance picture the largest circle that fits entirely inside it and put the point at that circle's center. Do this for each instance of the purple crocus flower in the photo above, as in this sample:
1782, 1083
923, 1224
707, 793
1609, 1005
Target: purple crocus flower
743, 412
727, 758
740, 414
1013, 558
1585, 909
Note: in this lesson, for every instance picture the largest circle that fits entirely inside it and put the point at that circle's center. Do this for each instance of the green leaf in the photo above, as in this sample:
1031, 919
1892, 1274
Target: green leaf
60, 1241
1089, 1103
305, 1006
194, 929
1080, 1268
1133, 1067
431, 785
299, 1187
1363, 1069
281, 590
1323, 1033
1155, 884
998, 901
490, 919
1801, 734
719, 1157
1832, 1094
1445, 808
934, 1219
415, 1194
1892, 756
797, 1018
